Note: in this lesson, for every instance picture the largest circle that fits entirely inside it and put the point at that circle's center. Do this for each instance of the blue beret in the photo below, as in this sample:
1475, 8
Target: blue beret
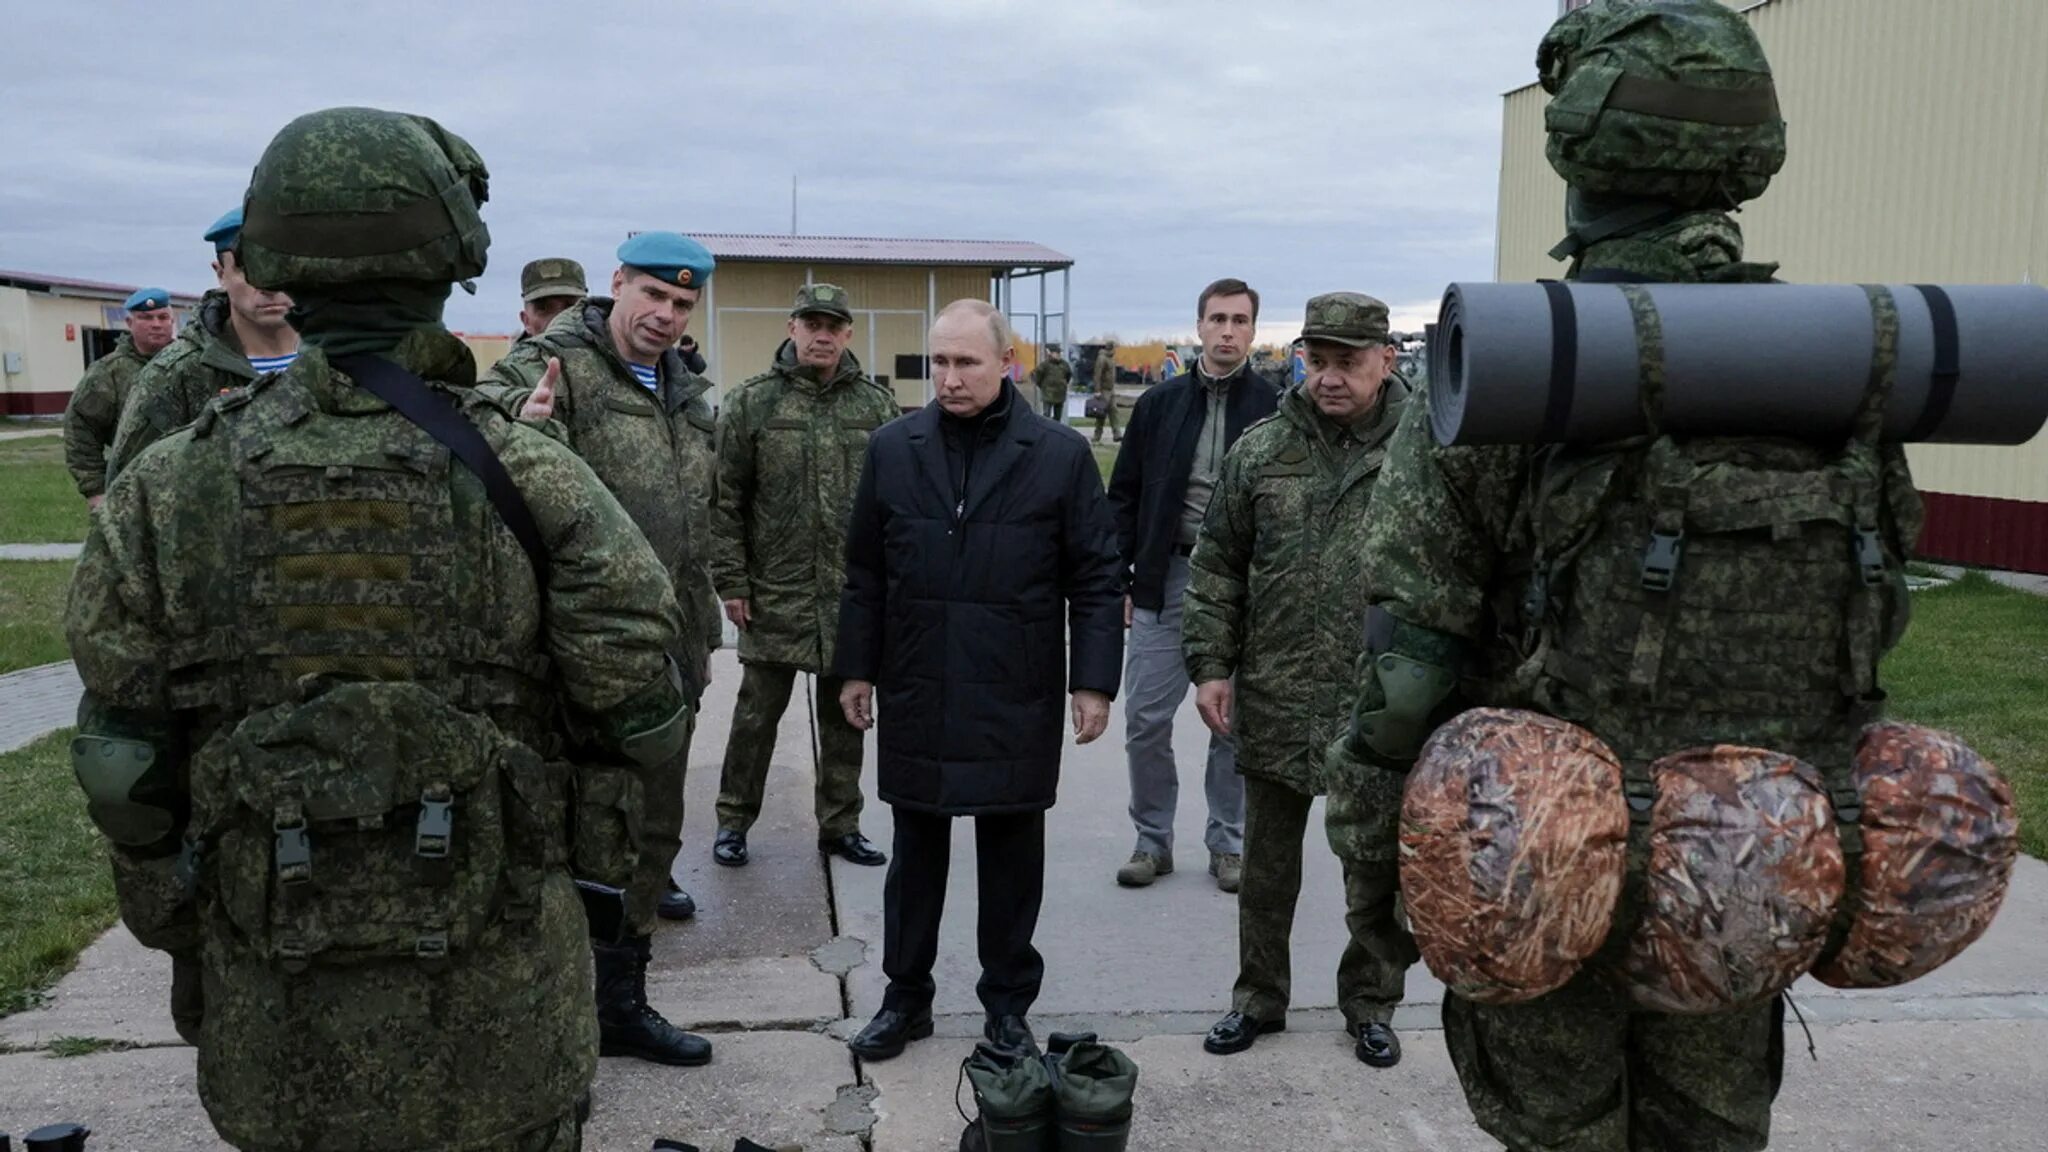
669, 256
226, 230
147, 300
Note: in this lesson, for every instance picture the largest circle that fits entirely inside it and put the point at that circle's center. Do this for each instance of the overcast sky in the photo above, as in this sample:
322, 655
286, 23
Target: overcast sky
1304, 145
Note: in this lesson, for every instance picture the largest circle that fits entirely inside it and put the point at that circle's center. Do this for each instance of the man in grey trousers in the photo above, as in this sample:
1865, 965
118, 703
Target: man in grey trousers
1173, 451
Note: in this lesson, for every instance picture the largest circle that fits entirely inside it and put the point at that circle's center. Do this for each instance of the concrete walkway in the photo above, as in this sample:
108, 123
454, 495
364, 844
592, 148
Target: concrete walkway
30, 433
40, 551
783, 961
37, 701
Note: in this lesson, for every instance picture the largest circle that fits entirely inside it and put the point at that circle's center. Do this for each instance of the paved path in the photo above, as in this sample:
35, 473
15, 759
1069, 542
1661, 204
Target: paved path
29, 433
782, 962
37, 701
40, 551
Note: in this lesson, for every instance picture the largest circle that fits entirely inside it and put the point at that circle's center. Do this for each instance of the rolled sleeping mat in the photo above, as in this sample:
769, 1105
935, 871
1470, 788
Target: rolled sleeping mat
1563, 363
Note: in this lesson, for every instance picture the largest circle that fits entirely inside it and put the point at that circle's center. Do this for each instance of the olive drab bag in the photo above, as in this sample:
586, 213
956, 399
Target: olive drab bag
359, 800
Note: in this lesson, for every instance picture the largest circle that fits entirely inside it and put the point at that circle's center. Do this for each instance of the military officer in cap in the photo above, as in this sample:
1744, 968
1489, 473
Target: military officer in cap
547, 288
790, 445
239, 334
607, 375
1050, 378
94, 413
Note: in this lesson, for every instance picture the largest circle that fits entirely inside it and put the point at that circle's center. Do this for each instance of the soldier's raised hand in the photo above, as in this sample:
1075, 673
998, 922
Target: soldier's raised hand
540, 403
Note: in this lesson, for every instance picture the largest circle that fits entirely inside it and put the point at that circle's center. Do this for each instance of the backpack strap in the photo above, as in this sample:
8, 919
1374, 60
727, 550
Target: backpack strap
1667, 488
435, 414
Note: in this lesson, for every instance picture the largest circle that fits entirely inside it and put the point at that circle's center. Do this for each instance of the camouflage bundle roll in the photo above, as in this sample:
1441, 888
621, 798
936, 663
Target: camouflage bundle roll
1587, 363
1742, 881
1939, 838
1513, 847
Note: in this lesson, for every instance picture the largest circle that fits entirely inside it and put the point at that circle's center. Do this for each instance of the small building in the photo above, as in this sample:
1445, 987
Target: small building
52, 328
1917, 152
897, 286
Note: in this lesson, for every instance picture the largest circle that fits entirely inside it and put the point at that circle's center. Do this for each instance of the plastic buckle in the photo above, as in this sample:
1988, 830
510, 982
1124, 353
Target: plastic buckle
431, 947
292, 955
1660, 560
1870, 556
294, 853
437, 824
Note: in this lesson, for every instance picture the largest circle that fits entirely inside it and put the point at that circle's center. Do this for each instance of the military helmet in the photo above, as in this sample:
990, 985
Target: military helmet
352, 194
1661, 99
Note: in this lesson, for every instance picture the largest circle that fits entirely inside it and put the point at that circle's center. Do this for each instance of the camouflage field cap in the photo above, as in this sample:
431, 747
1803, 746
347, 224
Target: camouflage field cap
827, 299
1350, 318
346, 195
1661, 99
554, 276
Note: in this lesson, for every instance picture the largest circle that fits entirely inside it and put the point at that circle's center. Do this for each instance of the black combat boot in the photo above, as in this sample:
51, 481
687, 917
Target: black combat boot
626, 1024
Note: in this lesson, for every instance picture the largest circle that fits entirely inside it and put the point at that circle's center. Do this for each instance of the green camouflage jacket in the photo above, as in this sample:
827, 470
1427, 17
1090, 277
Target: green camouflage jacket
173, 613
203, 362
790, 449
1051, 378
1276, 590
654, 451
94, 413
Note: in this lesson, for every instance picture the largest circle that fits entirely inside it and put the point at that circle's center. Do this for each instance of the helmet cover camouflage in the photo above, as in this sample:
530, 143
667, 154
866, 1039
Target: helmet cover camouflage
347, 195
1661, 99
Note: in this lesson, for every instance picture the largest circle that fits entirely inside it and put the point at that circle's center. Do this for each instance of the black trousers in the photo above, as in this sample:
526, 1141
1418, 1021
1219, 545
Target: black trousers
1009, 866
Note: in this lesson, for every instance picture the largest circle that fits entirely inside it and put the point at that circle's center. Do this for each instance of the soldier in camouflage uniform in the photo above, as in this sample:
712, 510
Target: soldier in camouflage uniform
1105, 390
239, 334
94, 411
1050, 378
605, 378
1549, 578
1273, 619
790, 446
320, 669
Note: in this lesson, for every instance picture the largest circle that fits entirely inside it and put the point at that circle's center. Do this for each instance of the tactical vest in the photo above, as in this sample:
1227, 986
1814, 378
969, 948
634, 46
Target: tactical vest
362, 797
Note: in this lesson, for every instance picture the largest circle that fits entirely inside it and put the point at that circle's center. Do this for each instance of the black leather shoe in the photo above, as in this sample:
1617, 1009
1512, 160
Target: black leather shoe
854, 848
886, 1035
1237, 1032
676, 904
1011, 1034
730, 848
1378, 1046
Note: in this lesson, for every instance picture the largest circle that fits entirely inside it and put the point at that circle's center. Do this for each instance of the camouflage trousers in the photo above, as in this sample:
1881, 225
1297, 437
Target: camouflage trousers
1372, 972
661, 836
1578, 1071
1110, 417
764, 696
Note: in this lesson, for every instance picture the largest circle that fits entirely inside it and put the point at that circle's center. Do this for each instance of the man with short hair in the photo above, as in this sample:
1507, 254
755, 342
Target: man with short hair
546, 289
1160, 489
606, 373
93, 414
979, 541
1051, 377
240, 333
790, 443
1274, 619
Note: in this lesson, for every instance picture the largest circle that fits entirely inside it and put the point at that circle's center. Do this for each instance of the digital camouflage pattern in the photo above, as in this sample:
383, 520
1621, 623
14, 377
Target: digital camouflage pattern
1051, 378
1514, 842
653, 451
789, 453
1668, 100
93, 414
1742, 880
202, 363
750, 748
1940, 835
1275, 596
315, 618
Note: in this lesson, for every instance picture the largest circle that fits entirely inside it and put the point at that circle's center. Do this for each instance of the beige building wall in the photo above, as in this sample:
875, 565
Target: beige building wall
32, 325
1918, 153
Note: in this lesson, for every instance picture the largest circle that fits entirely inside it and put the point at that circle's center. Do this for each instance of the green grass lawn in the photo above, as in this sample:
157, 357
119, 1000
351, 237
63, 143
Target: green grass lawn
42, 506
1976, 663
32, 612
56, 893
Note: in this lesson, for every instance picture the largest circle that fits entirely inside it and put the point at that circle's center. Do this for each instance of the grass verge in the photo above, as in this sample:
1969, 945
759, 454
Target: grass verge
1975, 663
56, 893
42, 504
32, 612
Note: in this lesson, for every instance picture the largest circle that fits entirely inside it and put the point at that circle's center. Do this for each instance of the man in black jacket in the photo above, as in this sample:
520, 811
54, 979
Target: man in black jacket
979, 536
1160, 490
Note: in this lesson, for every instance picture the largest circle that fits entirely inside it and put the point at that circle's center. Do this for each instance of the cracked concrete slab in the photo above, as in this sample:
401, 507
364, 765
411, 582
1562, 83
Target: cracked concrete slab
143, 1100
746, 993
119, 991
771, 1087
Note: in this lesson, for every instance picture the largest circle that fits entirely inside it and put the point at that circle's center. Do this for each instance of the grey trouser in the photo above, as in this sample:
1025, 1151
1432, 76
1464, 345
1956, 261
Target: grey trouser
1155, 684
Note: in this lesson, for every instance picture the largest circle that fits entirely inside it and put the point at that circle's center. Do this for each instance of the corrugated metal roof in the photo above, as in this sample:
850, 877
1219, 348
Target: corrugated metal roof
879, 250
39, 281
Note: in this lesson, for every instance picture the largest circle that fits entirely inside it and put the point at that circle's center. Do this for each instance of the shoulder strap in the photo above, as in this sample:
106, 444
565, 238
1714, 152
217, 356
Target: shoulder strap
435, 414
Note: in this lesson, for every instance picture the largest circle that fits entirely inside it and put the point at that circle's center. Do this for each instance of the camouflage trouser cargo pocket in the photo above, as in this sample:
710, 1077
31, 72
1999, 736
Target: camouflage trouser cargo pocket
605, 825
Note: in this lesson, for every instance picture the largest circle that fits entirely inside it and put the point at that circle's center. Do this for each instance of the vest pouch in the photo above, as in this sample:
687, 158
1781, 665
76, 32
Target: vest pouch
366, 823
605, 824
